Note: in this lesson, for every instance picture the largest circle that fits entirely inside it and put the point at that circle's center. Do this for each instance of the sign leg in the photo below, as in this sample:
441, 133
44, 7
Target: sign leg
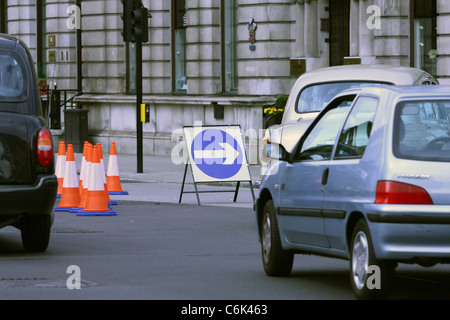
237, 190
196, 192
184, 180
252, 190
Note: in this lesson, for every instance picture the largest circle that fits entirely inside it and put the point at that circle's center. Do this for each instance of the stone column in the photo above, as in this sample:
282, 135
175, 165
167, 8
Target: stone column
365, 33
300, 30
443, 41
311, 29
354, 28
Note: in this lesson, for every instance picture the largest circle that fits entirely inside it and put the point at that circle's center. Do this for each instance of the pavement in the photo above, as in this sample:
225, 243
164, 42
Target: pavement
162, 180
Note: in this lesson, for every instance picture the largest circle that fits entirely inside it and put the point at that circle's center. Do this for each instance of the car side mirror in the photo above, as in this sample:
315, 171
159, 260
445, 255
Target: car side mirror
275, 151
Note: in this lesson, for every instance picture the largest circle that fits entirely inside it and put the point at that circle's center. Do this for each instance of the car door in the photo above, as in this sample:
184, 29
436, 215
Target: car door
301, 195
349, 172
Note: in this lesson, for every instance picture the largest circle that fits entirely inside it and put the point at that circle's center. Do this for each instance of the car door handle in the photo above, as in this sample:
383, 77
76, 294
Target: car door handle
325, 176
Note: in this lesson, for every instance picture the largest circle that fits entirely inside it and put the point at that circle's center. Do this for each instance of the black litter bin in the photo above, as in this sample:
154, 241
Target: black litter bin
76, 128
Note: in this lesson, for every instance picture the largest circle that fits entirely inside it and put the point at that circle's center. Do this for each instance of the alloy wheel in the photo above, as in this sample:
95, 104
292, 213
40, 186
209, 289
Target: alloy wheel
266, 238
360, 259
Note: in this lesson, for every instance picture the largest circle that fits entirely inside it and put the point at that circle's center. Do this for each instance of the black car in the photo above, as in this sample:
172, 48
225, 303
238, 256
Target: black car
28, 184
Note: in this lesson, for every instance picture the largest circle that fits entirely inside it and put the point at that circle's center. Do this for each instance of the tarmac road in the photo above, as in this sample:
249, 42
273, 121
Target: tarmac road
178, 253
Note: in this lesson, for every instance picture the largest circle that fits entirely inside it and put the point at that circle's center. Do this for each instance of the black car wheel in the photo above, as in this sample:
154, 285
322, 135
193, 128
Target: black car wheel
35, 233
369, 277
276, 261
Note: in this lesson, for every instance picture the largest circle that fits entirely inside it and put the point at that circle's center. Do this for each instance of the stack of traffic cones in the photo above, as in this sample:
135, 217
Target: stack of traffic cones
113, 177
60, 165
96, 203
70, 196
89, 195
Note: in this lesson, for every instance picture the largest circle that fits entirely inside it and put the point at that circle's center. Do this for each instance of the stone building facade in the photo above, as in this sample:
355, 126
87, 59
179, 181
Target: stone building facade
215, 61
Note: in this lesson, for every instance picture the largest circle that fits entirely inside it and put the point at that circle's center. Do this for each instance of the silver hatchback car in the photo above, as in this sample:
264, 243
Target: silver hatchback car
369, 181
313, 90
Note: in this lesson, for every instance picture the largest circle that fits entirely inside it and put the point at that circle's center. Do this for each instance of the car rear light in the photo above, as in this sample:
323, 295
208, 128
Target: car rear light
393, 192
44, 148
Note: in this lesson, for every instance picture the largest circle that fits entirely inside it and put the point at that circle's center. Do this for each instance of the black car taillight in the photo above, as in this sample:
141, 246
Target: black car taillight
44, 148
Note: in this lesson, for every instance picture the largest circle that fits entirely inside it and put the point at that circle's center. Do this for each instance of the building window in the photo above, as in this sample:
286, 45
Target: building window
229, 46
424, 35
179, 45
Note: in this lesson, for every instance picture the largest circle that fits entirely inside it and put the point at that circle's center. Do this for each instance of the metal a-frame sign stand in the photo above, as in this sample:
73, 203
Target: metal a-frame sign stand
216, 154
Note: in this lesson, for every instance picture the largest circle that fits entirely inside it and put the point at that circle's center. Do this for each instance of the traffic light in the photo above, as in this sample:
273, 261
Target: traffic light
139, 22
128, 6
135, 21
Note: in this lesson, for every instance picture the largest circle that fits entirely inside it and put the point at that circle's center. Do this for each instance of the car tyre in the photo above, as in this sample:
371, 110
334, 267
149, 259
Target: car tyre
276, 261
35, 232
362, 256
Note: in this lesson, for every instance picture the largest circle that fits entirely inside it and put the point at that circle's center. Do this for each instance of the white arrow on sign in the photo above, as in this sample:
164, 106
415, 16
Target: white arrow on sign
229, 153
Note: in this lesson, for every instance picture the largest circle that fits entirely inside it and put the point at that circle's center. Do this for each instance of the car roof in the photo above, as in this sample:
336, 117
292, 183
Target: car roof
405, 91
379, 73
8, 42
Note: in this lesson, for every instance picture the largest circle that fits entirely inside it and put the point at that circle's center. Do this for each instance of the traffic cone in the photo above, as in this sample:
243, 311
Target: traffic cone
113, 178
70, 197
102, 165
83, 166
60, 165
84, 187
96, 204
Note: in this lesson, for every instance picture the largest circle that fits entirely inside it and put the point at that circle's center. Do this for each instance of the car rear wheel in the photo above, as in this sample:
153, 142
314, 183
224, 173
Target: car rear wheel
276, 261
35, 233
369, 277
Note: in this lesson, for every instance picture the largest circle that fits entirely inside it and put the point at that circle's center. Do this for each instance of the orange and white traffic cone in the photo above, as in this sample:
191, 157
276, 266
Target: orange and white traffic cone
108, 199
83, 165
84, 187
60, 165
113, 178
96, 204
70, 197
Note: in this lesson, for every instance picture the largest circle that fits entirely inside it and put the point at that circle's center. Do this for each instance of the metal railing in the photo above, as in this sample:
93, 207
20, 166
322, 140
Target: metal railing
52, 102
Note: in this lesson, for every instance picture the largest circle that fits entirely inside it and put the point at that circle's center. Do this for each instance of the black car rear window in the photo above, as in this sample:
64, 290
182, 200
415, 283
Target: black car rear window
13, 78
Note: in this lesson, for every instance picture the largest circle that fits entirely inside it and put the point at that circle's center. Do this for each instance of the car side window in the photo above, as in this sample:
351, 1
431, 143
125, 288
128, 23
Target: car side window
358, 127
319, 143
12, 82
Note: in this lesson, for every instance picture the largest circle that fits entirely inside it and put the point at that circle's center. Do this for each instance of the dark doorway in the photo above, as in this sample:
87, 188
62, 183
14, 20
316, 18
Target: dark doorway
339, 31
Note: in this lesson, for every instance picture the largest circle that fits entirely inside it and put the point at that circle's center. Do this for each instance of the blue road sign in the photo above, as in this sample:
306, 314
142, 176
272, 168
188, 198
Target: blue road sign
217, 154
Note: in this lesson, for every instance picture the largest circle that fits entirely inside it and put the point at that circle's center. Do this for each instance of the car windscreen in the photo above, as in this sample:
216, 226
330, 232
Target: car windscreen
13, 79
422, 130
315, 97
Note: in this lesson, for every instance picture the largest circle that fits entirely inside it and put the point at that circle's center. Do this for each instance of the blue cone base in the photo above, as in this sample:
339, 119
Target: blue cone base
58, 196
118, 193
60, 209
96, 213
112, 203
